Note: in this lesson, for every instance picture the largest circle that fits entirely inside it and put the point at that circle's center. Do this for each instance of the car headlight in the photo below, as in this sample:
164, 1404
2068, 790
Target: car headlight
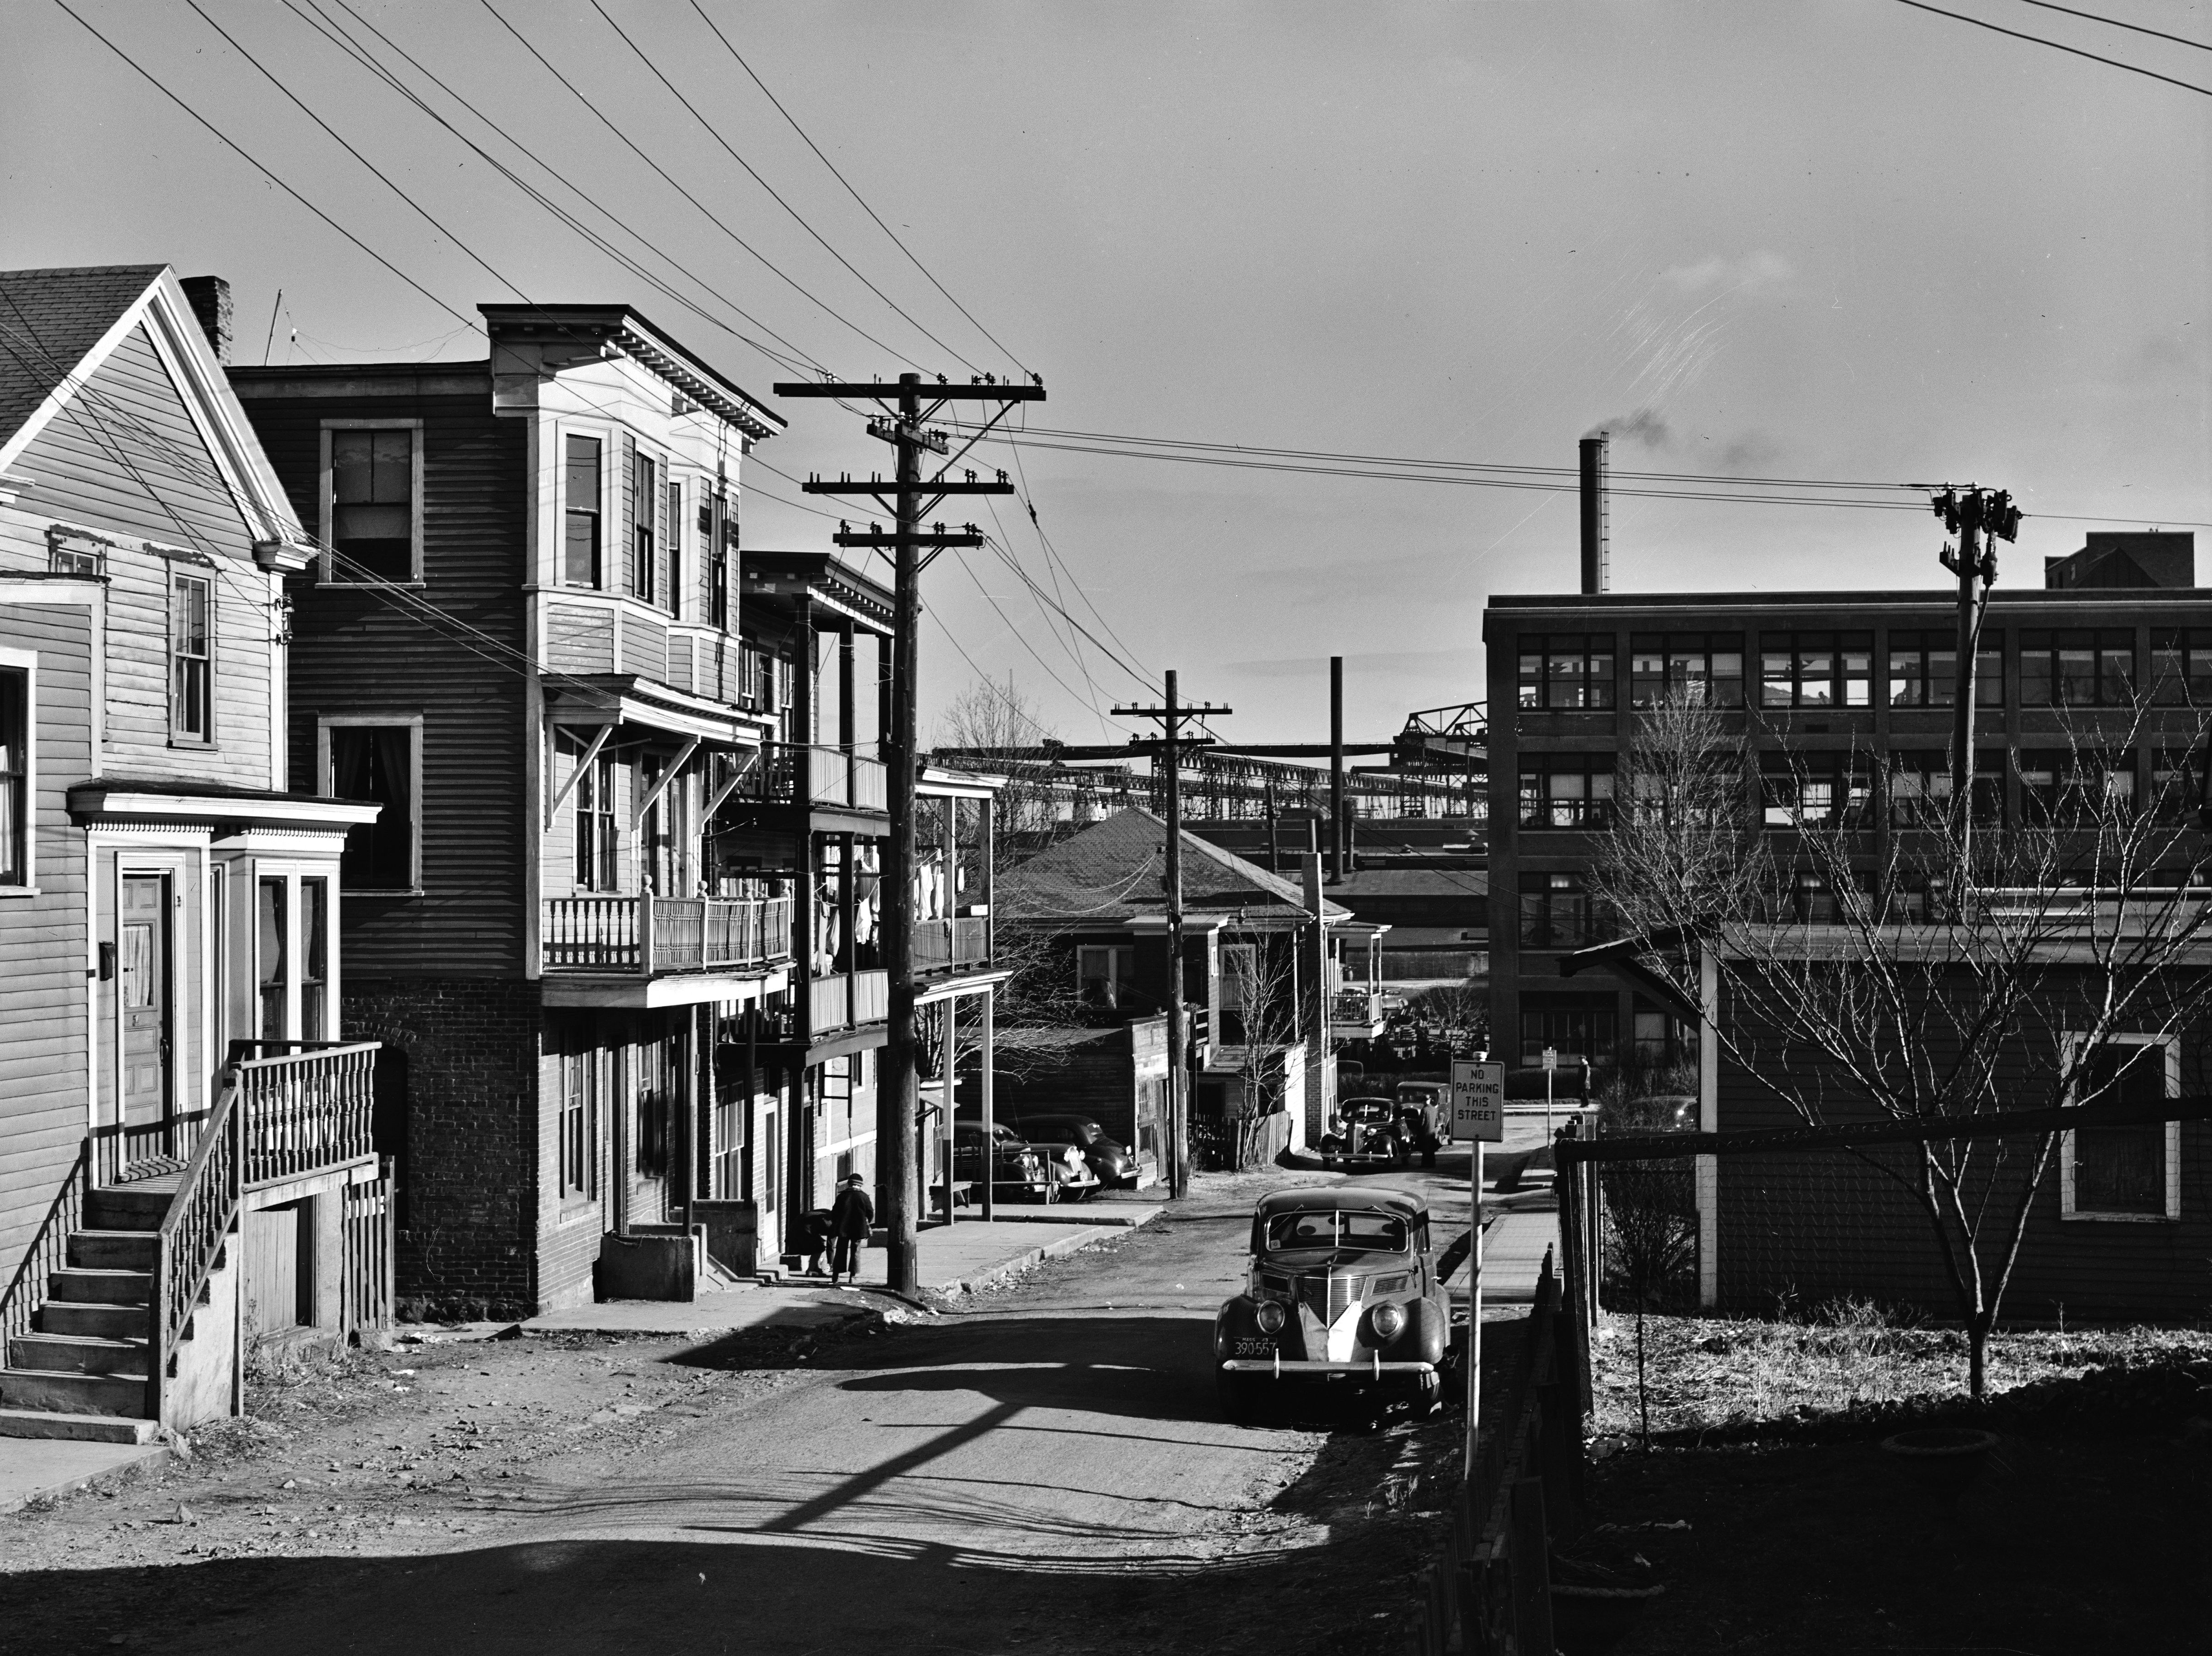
1271, 1316
1387, 1320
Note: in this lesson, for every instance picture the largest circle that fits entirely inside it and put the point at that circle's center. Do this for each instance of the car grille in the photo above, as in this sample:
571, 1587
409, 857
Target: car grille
1328, 1297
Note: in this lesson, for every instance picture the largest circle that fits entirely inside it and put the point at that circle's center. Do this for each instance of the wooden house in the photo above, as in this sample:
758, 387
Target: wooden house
184, 1155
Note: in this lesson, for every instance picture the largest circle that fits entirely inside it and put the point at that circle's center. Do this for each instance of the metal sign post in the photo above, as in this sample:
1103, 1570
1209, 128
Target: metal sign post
1478, 1115
1551, 1068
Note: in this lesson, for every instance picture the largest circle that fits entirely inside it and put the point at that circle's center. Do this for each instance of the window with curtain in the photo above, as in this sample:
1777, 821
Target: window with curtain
1104, 972
191, 658
15, 804
315, 959
375, 764
272, 958
581, 545
373, 505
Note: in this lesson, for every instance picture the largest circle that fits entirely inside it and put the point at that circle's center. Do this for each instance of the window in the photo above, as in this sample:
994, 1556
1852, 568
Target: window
1924, 669
2070, 785
372, 526
1555, 912
2130, 1172
671, 527
1702, 668
1576, 1028
376, 763
644, 494
1567, 670
1808, 898
718, 536
665, 842
69, 553
2077, 669
315, 958
1816, 669
1814, 789
580, 551
1105, 973
1920, 787
273, 939
191, 658
596, 867
2181, 667
2176, 791
16, 803
579, 1101
1566, 790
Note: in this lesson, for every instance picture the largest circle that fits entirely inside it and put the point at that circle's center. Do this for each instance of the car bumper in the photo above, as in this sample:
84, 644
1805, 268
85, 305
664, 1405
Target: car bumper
1298, 1368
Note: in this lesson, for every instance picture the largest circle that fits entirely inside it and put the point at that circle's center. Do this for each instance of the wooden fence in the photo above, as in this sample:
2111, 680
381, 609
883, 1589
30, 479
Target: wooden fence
365, 1297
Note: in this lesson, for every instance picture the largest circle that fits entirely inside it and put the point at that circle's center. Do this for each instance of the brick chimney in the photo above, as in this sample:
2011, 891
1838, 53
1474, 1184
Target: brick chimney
210, 297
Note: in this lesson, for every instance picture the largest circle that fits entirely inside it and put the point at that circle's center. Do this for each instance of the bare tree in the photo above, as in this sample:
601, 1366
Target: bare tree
1867, 962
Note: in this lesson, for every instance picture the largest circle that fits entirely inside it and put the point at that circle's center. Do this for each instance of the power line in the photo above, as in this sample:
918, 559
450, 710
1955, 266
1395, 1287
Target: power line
2179, 40
773, 194
849, 190
2037, 39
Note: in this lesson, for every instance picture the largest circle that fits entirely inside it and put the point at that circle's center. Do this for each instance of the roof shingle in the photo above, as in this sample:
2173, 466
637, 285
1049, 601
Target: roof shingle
1111, 872
49, 319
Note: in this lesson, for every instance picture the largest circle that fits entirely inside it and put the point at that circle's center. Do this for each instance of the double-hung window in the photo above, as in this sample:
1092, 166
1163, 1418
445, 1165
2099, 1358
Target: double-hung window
377, 763
16, 803
1105, 973
581, 546
2077, 667
597, 868
717, 535
672, 534
1816, 669
579, 1101
2129, 1171
1703, 669
1566, 790
1566, 672
644, 497
373, 523
191, 658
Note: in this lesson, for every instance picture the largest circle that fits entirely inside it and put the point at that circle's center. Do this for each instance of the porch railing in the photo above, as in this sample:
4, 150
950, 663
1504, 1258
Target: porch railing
305, 1110
871, 997
610, 933
847, 998
48, 1252
942, 944
200, 1218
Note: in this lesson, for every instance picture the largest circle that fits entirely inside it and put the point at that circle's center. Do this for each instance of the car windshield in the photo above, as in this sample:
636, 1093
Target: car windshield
1360, 1230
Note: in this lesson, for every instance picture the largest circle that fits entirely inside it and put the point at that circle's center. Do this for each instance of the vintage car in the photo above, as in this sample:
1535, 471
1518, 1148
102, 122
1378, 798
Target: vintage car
1344, 1299
1367, 1130
1425, 1110
1021, 1171
1106, 1157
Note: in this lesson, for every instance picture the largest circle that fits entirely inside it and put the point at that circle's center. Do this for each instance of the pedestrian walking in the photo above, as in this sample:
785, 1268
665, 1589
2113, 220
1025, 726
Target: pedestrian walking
852, 1217
815, 1231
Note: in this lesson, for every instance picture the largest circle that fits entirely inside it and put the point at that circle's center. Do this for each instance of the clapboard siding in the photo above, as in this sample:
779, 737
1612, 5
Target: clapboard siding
358, 652
579, 637
679, 661
44, 1049
124, 458
1815, 1227
644, 648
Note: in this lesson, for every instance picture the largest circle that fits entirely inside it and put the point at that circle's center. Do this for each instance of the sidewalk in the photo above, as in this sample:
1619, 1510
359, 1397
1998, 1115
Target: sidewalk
32, 1467
1513, 1243
955, 1259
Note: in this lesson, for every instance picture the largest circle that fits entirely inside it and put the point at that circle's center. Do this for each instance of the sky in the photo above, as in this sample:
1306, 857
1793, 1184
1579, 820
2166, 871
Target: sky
1841, 239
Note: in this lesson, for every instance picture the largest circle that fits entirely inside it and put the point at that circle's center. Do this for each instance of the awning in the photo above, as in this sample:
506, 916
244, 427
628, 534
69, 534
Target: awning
105, 800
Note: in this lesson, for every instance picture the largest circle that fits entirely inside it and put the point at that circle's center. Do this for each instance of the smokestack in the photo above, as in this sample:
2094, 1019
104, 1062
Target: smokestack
1336, 768
210, 297
1595, 573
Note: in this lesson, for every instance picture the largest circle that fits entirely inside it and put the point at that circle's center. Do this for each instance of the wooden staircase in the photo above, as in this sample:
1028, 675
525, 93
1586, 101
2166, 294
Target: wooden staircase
84, 1370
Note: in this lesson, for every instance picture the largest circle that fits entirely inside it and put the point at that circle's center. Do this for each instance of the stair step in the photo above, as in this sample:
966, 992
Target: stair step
127, 1207
107, 1322
72, 1394
92, 1285
80, 1353
113, 1250
81, 1429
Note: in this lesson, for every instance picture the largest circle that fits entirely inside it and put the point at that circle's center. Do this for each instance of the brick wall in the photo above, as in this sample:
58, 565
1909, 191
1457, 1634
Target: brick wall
469, 1145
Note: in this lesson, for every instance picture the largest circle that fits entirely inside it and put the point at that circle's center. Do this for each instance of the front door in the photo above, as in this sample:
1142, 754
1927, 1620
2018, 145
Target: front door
143, 935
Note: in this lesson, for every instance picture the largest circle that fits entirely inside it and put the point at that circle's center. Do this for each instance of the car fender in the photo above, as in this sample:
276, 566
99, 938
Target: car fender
1428, 1328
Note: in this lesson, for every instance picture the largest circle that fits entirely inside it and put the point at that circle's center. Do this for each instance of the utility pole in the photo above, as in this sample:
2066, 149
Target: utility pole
1338, 850
905, 427
1979, 517
1171, 717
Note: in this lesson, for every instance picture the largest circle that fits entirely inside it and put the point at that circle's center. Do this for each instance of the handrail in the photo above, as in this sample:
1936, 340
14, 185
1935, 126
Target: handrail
306, 1112
208, 1193
48, 1249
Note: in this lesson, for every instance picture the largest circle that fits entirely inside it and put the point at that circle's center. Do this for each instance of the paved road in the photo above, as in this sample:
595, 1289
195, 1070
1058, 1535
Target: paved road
1042, 1468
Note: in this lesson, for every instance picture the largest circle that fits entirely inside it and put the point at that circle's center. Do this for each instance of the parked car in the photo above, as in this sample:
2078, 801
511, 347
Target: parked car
1426, 1111
1042, 1172
1343, 1298
1114, 1162
1366, 1130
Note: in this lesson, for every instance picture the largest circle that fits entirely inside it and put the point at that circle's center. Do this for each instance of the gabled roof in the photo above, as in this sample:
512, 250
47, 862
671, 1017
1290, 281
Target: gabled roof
59, 328
1111, 872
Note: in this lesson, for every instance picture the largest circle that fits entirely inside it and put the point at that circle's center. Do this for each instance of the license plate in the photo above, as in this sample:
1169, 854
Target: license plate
1256, 1348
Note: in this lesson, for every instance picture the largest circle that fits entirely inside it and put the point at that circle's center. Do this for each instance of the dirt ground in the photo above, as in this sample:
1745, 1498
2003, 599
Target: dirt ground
1770, 1511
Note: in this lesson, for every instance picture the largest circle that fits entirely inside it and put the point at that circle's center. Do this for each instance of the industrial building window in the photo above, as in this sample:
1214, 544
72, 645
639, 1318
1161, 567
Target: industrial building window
2077, 669
2076, 784
1566, 790
1814, 789
1105, 973
1575, 1029
2122, 1172
1920, 787
1816, 669
579, 547
597, 868
2177, 785
375, 764
1705, 669
1556, 912
1924, 669
15, 802
1567, 670
191, 658
2181, 667
372, 506
579, 1099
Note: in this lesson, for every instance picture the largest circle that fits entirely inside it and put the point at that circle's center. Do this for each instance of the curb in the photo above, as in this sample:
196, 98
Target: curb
1022, 1261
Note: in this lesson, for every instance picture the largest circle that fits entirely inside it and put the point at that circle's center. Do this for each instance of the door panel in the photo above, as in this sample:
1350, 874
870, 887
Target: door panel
142, 974
279, 1271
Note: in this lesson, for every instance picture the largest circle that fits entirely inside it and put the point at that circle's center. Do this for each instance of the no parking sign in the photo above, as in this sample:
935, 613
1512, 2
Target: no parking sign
1478, 1099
